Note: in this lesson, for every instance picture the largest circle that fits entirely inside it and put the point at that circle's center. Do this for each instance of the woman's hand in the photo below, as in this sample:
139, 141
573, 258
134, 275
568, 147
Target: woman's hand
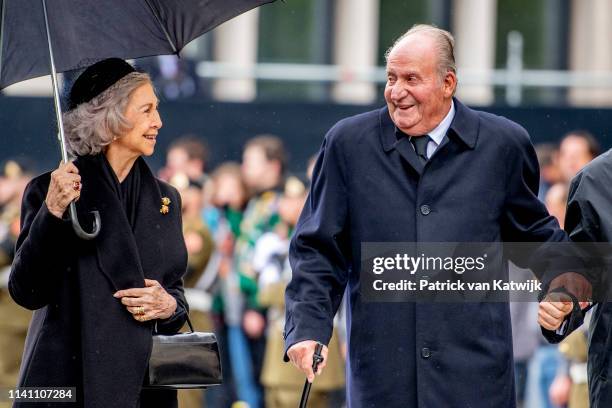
148, 303
65, 187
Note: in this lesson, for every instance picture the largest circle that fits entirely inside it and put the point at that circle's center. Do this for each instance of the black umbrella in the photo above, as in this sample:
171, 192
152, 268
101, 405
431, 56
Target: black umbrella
72, 34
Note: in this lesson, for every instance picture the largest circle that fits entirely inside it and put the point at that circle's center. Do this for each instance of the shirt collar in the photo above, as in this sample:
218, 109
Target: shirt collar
440, 131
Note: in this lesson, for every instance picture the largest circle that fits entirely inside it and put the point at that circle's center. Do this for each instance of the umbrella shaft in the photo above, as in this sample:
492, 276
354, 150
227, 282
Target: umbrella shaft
56, 97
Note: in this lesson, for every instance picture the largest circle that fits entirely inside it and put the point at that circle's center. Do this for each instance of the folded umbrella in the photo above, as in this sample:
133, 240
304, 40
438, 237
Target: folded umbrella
37, 40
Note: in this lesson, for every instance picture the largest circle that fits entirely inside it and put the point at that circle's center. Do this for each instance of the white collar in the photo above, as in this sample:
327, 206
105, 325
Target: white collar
440, 131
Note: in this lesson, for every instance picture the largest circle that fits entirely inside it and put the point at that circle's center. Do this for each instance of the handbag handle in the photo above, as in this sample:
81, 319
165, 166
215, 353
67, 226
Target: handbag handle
188, 324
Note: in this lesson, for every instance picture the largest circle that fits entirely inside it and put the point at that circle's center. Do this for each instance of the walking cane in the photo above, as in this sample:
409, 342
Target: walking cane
317, 358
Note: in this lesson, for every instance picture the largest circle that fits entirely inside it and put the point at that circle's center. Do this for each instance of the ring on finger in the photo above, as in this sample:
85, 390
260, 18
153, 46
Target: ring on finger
76, 186
140, 311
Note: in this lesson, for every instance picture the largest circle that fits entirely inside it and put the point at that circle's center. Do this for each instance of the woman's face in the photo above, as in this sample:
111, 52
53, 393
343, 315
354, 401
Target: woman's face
142, 113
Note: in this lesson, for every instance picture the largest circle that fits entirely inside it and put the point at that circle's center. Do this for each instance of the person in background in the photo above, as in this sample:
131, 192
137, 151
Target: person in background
199, 243
186, 155
223, 217
282, 383
263, 166
556, 200
526, 336
548, 158
569, 386
198, 238
576, 150
310, 167
527, 341
14, 176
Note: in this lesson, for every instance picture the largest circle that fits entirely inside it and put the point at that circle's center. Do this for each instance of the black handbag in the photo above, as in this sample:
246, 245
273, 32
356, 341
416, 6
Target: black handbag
184, 360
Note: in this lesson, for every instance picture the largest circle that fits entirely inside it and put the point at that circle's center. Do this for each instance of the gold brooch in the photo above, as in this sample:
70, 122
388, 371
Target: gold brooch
165, 203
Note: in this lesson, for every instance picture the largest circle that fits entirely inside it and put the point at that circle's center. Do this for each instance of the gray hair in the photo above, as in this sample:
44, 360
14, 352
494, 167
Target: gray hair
445, 43
93, 125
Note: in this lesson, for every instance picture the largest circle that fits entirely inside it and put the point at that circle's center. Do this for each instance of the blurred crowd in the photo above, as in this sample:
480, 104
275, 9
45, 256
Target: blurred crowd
237, 222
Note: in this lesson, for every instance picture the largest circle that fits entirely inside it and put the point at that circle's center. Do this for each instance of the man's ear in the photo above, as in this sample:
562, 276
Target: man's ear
450, 84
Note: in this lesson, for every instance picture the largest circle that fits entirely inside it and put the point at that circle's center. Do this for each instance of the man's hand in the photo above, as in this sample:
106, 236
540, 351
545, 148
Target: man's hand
301, 354
556, 306
553, 310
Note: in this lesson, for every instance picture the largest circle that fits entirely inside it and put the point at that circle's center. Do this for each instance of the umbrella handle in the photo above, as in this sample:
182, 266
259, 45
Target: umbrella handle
316, 359
60, 125
77, 226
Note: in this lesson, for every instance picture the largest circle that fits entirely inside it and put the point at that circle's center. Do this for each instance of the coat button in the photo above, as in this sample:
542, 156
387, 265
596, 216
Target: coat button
425, 209
425, 352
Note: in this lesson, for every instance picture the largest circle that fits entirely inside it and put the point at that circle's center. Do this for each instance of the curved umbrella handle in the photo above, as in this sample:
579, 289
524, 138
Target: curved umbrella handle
77, 226
62, 138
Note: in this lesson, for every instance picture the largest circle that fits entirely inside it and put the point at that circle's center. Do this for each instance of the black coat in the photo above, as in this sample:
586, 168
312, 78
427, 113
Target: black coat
589, 219
479, 186
80, 335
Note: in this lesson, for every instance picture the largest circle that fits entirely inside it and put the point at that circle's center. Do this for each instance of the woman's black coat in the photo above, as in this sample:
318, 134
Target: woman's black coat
80, 335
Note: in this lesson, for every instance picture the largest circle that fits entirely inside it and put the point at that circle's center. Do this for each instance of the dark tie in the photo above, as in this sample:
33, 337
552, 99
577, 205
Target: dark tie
420, 146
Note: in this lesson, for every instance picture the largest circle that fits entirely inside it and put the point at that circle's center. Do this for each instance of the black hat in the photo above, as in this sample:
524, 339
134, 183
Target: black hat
96, 79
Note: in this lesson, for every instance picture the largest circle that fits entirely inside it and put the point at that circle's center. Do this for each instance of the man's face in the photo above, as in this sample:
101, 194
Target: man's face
556, 200
176, 160
573, 156
417, 98
255, 166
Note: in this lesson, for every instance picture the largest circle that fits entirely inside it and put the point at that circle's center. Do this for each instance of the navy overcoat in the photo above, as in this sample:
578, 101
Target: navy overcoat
479, 186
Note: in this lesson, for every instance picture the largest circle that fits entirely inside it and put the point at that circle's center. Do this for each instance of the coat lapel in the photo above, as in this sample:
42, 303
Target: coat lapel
390, 142
407, 152
464, 128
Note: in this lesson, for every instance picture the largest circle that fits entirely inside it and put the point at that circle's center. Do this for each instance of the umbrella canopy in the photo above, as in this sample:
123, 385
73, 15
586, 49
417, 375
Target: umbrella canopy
85, 31
37, 40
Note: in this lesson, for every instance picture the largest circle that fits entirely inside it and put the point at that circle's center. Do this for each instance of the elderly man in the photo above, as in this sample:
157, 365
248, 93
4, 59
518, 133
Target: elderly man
425, 168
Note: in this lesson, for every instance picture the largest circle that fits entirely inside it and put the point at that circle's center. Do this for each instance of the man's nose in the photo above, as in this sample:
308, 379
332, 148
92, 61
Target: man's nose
398, 91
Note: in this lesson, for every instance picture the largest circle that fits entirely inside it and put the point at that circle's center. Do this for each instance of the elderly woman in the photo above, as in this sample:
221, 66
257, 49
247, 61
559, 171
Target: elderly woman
97, 303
